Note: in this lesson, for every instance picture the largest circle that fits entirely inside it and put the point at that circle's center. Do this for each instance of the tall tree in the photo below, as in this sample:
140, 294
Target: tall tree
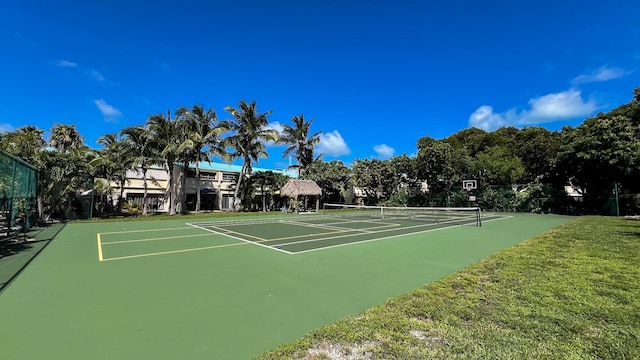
65, 137
202, 138
537, 148
250, 133
143, 153
334, 178
113, 161
498, 166
301, 142
26, 143
377, 178
471, 139
600, 152
406, 171
442, 166
164, 133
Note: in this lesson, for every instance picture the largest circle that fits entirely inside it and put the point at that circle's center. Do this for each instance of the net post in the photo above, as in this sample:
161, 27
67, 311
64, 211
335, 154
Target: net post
93, 196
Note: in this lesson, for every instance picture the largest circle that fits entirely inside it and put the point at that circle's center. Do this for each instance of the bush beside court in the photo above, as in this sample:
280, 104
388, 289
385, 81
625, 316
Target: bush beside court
570, 293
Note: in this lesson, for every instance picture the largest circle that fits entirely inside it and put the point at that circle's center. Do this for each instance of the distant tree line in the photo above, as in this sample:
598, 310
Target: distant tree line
516, 169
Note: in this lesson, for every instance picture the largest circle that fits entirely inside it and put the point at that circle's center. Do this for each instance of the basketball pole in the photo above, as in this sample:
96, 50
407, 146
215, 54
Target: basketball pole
617, 199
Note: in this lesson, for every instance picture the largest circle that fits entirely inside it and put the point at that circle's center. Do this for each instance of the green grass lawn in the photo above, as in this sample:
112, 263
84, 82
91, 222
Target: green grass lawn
570, 293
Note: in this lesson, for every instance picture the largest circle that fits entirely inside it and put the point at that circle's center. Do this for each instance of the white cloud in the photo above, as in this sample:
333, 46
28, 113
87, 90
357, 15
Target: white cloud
604, 73
544, 109
109, 112
5, 128
65, 63
564, 105
484, 118
384, 151
96, 74
332, 144
274, 125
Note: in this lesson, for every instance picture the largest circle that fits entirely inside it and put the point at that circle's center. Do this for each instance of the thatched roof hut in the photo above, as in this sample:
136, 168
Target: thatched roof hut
295, 187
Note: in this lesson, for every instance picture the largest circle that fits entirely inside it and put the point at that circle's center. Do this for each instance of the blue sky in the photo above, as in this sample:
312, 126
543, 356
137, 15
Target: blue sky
375, 75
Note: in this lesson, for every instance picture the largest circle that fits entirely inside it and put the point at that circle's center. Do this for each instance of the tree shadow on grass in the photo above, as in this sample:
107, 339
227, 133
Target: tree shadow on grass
632, 228
631, 224
629, 233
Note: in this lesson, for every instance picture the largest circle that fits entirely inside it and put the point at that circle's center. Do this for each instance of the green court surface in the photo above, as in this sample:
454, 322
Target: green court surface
176, 289
16, 253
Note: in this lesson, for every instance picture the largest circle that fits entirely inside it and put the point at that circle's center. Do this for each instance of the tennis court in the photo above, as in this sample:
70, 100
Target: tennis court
232, 288
340, 225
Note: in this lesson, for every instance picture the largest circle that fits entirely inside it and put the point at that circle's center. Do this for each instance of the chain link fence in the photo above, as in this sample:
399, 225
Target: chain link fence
18, 195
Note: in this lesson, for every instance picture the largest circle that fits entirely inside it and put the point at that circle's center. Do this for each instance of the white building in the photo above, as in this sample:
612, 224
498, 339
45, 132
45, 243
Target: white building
217, 184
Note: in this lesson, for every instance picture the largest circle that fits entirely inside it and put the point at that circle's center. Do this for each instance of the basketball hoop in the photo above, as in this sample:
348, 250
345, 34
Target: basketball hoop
469, 185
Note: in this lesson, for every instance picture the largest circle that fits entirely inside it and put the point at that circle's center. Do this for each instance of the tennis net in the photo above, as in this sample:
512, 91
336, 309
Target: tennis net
457, 215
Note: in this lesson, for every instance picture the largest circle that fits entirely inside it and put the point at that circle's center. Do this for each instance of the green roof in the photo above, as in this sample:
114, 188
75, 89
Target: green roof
216, 166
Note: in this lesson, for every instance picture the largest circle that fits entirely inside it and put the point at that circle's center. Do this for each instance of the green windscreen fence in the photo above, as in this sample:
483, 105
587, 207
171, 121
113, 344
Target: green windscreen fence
18, 194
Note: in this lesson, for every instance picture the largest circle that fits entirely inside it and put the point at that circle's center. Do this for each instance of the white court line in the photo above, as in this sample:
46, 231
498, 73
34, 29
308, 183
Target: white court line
153, 239
386, 237
365, 230
304, 235
247, 242
227, 231
147, 230
172, 252
239, 238
350, 235
327, 226
382, 238
376, 239
346, 220
501, 217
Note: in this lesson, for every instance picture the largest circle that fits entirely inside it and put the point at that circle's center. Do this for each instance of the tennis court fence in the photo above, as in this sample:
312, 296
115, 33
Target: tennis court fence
18, 195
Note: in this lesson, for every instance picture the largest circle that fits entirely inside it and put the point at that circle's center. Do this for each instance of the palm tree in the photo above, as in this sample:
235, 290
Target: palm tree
301, 143
248, 141
65, 137
143, 153
202, 133
26, 143
113, 162
164, 133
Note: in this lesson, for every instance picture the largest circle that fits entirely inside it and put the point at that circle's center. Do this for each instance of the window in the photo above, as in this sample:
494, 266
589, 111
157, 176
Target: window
203, 175
229, 177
